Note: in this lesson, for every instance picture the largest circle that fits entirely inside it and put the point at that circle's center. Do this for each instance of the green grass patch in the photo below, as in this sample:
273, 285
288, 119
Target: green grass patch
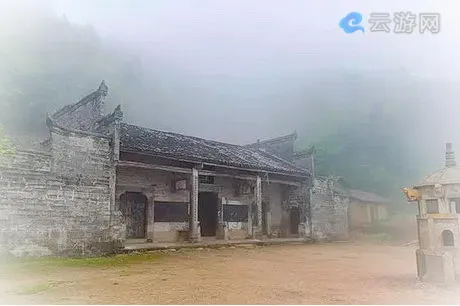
47, 263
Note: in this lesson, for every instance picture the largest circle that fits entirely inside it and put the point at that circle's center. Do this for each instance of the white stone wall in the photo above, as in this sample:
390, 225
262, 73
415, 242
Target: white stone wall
329, 211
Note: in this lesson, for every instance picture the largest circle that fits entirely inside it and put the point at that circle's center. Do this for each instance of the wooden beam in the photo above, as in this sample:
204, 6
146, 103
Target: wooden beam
297, 184
153, 167
133, 187
246, 177
238, 176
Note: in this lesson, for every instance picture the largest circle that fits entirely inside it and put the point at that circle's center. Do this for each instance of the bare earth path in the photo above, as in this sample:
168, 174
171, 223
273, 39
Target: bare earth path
336, 273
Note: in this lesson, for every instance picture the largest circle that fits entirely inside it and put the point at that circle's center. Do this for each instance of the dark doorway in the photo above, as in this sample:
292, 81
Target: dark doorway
207, 213
133, 206
295, 220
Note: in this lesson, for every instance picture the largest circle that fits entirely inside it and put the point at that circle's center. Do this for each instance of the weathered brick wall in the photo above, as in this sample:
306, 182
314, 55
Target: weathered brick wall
58, 202
81, 156
329, 219
23, 181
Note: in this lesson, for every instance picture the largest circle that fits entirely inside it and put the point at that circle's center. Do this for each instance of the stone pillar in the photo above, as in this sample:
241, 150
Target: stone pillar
222, 232
258, 196
193, 230
150, 215
220, 211
250, 228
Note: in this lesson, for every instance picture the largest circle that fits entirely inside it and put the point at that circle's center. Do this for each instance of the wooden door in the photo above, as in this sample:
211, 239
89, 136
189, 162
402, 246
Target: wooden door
134, 207
295, 220
207, 213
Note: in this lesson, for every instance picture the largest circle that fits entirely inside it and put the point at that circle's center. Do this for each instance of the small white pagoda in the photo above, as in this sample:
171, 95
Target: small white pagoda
438, 197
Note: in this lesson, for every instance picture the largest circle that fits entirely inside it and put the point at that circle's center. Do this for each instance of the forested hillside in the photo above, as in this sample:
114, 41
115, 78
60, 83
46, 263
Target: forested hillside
48, 62
378, 132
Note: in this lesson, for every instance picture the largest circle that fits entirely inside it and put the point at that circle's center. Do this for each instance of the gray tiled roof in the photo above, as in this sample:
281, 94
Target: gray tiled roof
177, 146
365, 196
447, 175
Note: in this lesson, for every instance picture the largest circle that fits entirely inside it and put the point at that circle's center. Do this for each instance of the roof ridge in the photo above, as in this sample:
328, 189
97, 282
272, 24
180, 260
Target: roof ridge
244, 147
153, 141
184, 135
101, 91
284, 160
439, 176
374, 195
276, 139
441, 171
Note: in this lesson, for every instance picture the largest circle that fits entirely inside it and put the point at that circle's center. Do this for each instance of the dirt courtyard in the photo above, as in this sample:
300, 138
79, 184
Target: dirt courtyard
335, 273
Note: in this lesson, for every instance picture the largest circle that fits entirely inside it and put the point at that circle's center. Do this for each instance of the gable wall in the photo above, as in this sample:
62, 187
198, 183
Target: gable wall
329, 212
85, 116
58, 202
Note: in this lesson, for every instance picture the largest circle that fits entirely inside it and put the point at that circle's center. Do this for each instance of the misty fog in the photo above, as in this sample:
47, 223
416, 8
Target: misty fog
238, 71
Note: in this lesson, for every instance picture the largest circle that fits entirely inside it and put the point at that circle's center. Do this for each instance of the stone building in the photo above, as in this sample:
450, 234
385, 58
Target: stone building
366, 209
98, 182
438, 198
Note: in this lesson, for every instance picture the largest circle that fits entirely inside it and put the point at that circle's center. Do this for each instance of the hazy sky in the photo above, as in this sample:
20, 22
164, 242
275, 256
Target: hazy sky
244, 63
230, 36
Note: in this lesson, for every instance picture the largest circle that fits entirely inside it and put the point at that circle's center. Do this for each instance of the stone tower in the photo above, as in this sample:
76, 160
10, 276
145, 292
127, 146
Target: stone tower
438, 197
